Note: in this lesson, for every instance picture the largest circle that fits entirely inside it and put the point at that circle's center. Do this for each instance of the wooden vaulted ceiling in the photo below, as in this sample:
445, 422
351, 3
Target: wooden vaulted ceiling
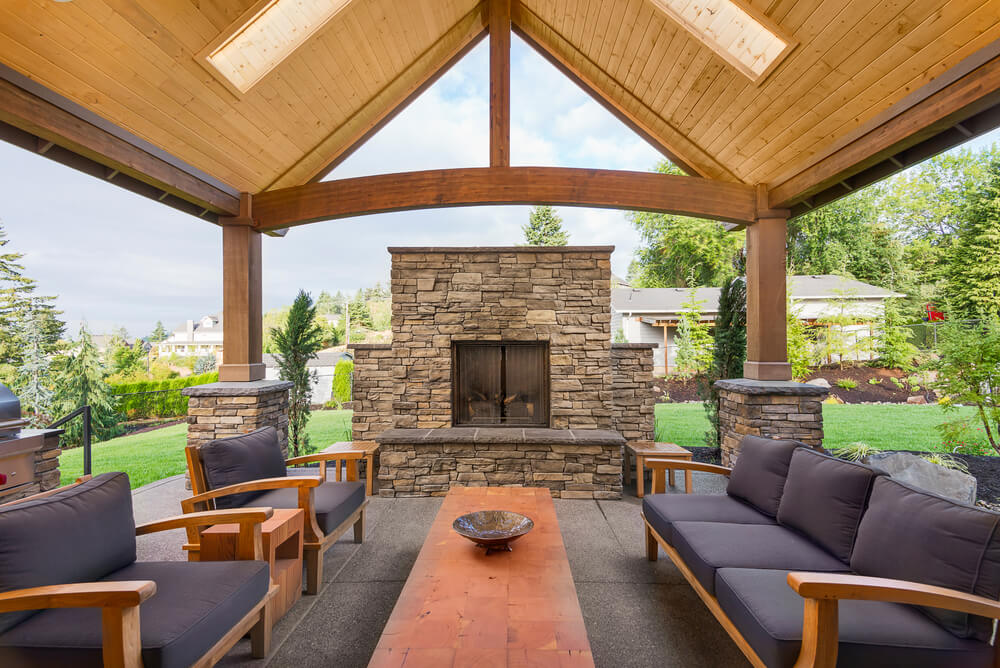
135, 63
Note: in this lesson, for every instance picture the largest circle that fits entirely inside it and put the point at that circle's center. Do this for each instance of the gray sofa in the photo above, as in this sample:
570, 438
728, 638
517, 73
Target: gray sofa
70, 586
809, 560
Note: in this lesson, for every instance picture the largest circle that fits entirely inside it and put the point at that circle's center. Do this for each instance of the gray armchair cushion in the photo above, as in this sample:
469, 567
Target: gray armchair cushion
824, 498
662, 510
195, 604
768, 613
243, 458
909, 534
79, 534
335, 501
708, 546
758, 476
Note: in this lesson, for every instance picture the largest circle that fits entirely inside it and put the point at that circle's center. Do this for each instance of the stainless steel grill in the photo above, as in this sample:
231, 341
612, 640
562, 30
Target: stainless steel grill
11, 421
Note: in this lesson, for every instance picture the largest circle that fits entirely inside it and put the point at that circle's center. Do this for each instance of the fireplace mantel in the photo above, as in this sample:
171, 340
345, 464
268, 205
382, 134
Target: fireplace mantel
501, 435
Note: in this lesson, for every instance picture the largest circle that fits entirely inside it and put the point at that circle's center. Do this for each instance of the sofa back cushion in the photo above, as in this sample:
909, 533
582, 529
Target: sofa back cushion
79, 534
237, 459
758, 476
910, 534
825, 498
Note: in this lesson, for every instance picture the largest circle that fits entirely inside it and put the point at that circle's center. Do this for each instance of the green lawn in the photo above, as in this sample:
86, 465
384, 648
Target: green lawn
889, 426
158, 454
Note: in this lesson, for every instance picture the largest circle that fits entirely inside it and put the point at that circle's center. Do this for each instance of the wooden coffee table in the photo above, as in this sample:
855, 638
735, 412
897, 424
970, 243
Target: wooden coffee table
644, 450
282, 539
462, 607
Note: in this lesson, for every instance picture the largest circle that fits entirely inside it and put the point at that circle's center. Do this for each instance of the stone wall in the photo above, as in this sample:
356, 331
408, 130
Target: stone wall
560, 295
372, 392
775, 409
585, 464
217, 410
45, 443
633, 398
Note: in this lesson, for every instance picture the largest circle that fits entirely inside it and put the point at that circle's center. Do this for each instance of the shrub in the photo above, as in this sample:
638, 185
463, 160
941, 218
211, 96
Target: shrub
853, 452
874, 381
846, 384
157, 398
342, 374
947, 461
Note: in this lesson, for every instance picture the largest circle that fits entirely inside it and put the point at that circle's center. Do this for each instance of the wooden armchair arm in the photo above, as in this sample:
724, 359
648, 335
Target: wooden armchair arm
822, 591
192, 503
349, 457
661, 466
249, 545
125, 594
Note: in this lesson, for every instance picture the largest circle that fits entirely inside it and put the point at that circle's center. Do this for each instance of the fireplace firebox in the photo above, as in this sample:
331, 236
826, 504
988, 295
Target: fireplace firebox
498, 383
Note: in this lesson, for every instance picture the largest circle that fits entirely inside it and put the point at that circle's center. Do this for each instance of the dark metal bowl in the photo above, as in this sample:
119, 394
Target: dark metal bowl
493, 529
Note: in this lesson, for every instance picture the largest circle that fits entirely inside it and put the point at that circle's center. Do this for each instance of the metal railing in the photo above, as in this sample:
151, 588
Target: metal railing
85, 412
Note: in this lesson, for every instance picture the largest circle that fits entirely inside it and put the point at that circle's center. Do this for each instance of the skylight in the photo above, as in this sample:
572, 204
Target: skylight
264, 36
742, 36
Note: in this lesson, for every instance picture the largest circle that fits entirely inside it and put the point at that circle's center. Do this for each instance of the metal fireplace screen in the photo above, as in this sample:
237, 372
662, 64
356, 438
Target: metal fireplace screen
500, 384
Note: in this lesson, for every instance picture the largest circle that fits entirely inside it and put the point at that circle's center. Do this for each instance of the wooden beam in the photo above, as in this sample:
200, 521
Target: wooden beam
385, 105
767, 348
477, 186
499, 26
615, 97
242, 301
59, 123
937, 108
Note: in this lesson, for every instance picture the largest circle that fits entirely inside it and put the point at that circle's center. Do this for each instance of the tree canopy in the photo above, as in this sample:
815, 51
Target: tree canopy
544, 228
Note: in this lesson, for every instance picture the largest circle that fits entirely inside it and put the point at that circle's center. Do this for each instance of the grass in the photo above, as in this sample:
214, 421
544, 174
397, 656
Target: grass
157, 454
884, 427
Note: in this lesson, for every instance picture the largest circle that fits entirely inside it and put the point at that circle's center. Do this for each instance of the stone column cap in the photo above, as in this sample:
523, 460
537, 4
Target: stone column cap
237, 389
634, 346
782, 387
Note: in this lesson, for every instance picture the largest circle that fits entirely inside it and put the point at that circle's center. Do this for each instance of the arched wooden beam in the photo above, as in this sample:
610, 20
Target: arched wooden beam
600, 188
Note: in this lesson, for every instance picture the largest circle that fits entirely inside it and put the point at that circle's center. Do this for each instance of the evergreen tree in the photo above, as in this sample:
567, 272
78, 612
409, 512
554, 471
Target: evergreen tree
82, 383
325, 304
159, 333
544, 228
296, 343
973, 272
892, 344
798, 341
694, 342
361, 315
124, 359
35, 386
729, 351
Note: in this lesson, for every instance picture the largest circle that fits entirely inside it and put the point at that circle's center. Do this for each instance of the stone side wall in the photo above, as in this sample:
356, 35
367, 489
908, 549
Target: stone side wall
371, 396
775, 409
560, 295
217, 410
46, 461
634, 399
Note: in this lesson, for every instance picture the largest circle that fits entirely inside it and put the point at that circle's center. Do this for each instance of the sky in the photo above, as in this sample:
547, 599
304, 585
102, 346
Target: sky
116, 259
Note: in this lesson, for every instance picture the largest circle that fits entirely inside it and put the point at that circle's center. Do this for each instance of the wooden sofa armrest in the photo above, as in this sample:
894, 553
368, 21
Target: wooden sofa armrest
192, 503
249, 543
124, 594
661, 466
822, 591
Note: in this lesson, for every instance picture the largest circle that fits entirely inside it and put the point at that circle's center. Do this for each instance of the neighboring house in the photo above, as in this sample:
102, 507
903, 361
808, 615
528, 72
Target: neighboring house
201, 337
103, 341
323, 364
650, 315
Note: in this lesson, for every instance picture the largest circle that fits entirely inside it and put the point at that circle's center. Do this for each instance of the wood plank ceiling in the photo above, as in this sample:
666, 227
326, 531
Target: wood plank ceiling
134, 62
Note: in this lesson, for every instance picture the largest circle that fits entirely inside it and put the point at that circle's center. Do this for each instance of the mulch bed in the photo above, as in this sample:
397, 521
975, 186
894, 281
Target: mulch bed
141, 427
676, 390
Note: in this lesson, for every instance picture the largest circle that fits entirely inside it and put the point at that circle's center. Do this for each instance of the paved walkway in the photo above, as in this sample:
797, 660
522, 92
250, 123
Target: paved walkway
637, 613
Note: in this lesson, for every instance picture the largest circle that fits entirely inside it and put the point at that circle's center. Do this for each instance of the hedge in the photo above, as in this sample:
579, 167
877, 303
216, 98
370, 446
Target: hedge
342, 381
147, 398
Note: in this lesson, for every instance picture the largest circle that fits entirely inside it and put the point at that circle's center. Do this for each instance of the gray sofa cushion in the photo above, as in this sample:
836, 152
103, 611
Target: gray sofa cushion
824, 498
758, 476
909, 534
195, 604
236, 459
662, 510
335, 501
708, 546
768, 613
79, 534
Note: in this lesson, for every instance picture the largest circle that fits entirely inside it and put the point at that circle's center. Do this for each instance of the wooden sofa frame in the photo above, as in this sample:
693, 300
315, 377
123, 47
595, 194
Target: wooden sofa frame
119, 601
315, 542
820, 591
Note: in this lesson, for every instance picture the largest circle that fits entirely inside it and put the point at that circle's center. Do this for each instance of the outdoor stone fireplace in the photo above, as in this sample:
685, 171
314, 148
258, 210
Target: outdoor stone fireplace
501, 372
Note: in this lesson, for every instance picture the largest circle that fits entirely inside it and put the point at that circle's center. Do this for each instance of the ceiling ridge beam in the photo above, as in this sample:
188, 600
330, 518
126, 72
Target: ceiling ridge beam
683, 152
725, 201
386, 104
499, 28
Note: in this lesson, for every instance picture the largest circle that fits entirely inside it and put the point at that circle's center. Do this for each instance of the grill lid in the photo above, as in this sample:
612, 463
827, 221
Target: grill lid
10, 413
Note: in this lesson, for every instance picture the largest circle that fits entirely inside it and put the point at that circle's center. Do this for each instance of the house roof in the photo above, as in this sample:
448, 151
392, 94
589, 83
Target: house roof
803, 288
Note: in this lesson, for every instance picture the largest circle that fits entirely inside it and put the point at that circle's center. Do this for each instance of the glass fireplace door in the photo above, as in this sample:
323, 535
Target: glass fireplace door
500, 384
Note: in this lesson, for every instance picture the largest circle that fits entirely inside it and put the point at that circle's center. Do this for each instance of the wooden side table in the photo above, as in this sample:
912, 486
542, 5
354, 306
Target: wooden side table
643, 449
282, 538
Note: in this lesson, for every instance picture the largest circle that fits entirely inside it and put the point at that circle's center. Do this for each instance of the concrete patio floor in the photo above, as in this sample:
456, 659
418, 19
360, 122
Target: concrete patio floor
637, 613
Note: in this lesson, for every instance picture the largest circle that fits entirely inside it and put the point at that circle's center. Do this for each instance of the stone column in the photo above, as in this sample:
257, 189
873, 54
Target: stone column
217, 410
371, 397
632, 412
774, 409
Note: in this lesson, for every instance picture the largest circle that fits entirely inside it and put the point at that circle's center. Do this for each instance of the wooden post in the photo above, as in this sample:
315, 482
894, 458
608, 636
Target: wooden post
666, 350
499, 20
242, 307
767, 340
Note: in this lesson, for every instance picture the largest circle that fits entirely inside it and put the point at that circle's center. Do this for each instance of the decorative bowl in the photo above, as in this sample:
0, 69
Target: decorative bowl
493, 529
